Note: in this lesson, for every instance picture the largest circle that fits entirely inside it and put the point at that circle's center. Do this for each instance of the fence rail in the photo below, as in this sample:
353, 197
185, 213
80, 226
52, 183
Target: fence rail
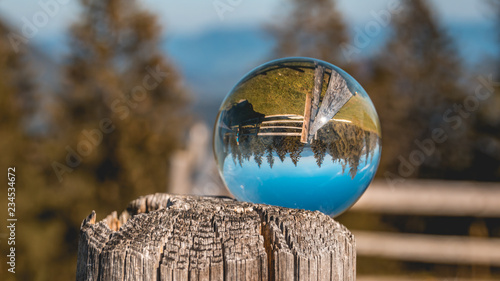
446, 198
405, 278
271, 125
432, 198
429, 248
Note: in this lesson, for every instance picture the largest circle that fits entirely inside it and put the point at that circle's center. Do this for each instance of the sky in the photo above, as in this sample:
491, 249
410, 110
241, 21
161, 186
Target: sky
225, 34
198, 15
298, 186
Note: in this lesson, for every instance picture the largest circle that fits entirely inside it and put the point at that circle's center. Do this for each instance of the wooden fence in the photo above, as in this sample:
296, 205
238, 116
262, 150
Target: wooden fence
271, 125
432, 198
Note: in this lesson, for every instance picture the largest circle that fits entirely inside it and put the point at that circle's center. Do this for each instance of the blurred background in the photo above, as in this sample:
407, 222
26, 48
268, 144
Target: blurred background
104, 101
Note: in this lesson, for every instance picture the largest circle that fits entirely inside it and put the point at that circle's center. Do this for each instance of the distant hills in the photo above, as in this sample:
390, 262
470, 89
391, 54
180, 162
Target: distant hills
213, 61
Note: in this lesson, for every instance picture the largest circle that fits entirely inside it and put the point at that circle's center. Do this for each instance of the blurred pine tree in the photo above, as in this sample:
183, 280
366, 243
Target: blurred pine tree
121, 112
486, 165
116, 119
17, 99
417, 86
19, 103
311, 29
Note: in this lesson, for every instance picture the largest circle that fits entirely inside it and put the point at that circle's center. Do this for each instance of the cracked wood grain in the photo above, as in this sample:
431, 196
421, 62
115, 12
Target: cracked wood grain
167, 237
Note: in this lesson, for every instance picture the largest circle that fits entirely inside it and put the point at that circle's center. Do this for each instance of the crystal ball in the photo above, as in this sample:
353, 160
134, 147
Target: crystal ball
298, 133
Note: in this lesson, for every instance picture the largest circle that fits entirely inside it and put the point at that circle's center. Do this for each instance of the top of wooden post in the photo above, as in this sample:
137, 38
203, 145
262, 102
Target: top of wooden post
167, 237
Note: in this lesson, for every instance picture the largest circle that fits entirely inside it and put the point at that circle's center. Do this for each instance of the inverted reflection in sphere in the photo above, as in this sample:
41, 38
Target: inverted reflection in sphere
298, 133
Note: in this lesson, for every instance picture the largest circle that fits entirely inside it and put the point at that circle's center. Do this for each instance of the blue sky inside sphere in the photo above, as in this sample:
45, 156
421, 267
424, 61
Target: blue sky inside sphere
328, 188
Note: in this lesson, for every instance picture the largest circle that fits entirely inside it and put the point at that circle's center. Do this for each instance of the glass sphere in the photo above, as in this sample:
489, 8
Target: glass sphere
298, 133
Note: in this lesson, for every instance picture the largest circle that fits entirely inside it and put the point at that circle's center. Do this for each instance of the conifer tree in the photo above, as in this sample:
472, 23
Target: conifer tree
121, 111
21, 152
311, 29
417, 90
17, 102
486, 165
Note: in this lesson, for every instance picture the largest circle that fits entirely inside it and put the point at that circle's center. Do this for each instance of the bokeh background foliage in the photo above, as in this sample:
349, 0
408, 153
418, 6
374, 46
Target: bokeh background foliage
104, 129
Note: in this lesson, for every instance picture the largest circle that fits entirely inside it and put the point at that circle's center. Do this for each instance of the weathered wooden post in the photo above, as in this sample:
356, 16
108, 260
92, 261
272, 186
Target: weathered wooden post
167, 237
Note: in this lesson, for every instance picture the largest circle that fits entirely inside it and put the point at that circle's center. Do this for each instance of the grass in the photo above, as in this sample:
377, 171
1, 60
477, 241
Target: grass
360, 113
280, 91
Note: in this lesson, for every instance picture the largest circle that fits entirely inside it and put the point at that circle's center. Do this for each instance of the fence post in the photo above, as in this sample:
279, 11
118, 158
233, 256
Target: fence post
166, 237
